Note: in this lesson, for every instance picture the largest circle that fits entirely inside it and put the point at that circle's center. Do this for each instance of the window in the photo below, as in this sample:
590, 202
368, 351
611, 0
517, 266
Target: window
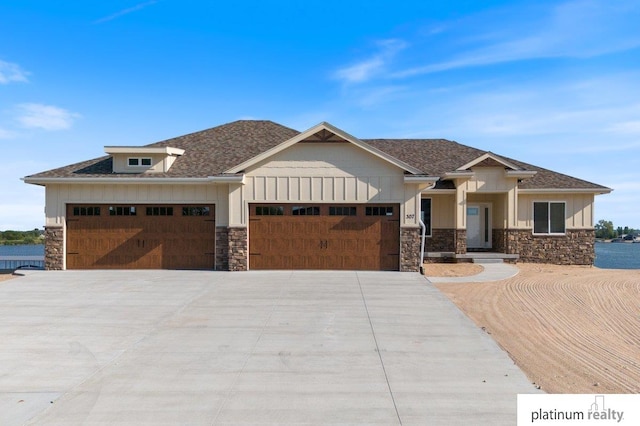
549, 217
342, 211
269, 210
86, 211
425, 214
305, 211
139, 162
379, 211
122, 211
195, 211
159, 211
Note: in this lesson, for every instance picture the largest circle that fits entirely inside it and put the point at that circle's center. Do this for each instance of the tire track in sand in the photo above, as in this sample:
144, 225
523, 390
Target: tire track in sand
571, 329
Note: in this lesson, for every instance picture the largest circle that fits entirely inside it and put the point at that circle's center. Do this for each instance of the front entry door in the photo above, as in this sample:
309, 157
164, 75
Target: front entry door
479, 226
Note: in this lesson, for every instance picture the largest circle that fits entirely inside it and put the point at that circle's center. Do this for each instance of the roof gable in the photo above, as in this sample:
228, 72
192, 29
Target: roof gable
323, 133
488, 160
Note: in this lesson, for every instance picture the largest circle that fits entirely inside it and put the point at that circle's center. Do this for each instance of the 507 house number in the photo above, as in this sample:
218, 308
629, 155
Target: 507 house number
411, 216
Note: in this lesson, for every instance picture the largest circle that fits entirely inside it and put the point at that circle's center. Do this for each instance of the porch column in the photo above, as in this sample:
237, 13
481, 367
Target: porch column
461, 218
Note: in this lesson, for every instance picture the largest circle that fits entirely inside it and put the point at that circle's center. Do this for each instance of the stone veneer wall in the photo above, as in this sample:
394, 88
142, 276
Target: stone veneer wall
410, 249
499, 241
222, 248
238, 254
576, 247
461, 241
441, 240
53, 248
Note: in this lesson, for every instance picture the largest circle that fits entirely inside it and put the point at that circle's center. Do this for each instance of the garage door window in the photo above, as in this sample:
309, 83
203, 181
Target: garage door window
305, 211
195, 211
269, 210
159, 211
122, 210
342, 211
379, 211
86, 211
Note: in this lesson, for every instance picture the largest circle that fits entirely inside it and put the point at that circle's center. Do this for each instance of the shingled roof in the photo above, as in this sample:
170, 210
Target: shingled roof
210, 152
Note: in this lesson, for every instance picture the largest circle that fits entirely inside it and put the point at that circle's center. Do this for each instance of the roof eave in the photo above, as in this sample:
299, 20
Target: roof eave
105, 180
602, 190
458, 175
420, 179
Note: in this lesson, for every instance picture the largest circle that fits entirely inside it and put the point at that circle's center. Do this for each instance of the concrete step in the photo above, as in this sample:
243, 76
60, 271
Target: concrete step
487, 260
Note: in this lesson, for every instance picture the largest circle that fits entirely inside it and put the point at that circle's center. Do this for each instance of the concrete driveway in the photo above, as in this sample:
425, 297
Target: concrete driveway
216, 348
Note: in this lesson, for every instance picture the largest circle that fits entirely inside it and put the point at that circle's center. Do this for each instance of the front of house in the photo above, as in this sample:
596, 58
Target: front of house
258, 195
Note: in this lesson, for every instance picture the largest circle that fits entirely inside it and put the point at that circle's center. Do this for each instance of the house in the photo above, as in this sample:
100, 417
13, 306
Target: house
258, 195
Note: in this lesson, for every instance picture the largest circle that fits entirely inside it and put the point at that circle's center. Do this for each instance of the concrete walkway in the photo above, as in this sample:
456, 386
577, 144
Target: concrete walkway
265, 348
492, 272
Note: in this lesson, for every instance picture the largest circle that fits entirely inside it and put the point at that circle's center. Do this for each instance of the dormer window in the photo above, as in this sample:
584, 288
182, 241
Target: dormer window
137, 162
143, 159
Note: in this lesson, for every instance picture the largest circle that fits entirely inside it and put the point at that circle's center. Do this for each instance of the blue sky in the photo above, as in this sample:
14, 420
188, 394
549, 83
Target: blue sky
552, 83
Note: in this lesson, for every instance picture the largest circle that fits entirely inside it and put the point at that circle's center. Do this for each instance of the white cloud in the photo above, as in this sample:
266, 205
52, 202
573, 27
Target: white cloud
626, 127
10, 72
46, 117
6, 134
366, 69
125, 12
582, 28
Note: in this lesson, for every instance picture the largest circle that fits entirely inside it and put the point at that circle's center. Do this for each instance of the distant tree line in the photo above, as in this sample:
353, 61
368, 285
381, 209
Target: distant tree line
14, 238
605, 230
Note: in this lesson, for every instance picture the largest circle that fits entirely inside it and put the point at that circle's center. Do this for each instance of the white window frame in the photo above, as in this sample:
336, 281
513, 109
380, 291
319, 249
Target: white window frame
430, 233
139, 161
533, 217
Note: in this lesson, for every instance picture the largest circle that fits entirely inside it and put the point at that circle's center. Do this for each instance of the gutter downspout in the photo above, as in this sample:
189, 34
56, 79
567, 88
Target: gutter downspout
424, 235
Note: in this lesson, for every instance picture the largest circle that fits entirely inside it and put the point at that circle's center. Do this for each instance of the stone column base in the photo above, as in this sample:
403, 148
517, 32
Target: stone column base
238, 255
222, 248
461, 241
54, 248
409, 249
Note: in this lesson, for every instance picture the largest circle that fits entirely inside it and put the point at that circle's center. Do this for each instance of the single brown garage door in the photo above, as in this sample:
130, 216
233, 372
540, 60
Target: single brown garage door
344, 237
140, 236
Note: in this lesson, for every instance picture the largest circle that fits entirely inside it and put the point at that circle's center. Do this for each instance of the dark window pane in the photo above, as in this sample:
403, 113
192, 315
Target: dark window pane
379, 211
541, 218
342, 211
425, 213
557, 218
133, 161
146, 161
194, 211
269, 210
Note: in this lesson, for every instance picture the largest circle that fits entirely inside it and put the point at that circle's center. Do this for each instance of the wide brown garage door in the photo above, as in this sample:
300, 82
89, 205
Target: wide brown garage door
346, 237
140, 236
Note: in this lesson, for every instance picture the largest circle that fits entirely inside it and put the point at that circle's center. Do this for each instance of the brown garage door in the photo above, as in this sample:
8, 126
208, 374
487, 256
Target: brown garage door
140, 236
346, 237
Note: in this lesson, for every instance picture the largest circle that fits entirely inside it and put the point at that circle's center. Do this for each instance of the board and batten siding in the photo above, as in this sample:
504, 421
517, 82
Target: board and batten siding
59, 195
325, 173
442, 210
579, 209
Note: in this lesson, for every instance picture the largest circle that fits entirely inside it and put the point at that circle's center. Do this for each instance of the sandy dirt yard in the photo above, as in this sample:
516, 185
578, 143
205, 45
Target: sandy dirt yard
451, 269
4, 277
571, 329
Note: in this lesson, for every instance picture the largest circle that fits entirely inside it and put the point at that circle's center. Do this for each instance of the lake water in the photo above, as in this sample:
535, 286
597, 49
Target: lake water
617, 255
29, 250
608, 255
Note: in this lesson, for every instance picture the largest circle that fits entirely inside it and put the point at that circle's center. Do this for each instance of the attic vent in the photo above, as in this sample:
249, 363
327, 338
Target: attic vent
325, 135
